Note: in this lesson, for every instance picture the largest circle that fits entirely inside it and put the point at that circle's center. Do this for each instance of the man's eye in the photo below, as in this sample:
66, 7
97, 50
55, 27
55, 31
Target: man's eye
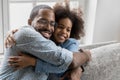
42, 21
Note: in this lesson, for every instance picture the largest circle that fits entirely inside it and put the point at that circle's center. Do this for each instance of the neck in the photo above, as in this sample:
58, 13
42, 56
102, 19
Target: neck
57, 43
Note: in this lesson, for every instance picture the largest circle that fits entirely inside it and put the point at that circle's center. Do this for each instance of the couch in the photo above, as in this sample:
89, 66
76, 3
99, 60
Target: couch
105, 63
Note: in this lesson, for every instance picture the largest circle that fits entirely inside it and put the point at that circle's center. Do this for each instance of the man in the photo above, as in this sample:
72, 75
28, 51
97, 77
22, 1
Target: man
42, 20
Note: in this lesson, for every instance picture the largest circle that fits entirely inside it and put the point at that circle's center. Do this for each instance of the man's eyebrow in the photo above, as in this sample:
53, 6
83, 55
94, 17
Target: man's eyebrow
46, 19
42, 19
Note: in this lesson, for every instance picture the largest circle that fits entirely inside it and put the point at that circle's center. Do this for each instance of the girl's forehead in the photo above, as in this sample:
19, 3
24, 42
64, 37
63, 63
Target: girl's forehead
66, 22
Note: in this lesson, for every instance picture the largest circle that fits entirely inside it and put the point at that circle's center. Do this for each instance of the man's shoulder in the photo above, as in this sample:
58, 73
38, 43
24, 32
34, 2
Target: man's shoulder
26, 34
26, 30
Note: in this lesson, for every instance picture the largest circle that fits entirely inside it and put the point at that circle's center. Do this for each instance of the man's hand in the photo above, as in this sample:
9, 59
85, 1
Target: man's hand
73, 74
87, 53
80, 58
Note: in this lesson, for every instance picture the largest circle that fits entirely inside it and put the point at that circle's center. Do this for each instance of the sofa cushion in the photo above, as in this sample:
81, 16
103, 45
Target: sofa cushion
95, 45
105, 63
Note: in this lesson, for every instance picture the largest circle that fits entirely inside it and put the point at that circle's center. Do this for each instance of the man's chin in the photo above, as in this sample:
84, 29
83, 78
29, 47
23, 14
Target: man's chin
47, 36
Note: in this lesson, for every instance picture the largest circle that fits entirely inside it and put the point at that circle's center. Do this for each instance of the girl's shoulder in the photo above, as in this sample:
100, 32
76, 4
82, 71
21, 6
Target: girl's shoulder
71, 40
71, 44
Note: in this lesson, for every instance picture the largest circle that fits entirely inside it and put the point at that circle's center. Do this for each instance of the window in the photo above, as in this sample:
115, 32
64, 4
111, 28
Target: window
1, 29
19, 10
4, 22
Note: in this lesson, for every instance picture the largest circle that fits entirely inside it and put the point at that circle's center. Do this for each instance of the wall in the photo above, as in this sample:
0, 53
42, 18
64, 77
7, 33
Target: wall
107, 21
1, 29
89, 16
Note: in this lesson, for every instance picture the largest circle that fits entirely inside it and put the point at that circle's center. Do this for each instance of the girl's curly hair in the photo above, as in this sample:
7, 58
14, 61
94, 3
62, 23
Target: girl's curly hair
62, 12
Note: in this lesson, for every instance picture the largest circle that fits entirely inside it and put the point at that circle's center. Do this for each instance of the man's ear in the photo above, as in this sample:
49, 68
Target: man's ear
29, 21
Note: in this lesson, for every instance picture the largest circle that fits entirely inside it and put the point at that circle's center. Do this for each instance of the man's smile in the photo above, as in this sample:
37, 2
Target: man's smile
46, 34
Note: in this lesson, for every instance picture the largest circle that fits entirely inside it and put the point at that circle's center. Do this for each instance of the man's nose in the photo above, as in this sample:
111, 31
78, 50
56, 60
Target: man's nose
48, 26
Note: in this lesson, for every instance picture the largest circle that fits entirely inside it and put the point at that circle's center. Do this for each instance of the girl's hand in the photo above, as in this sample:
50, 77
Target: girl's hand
21, 61
10, 41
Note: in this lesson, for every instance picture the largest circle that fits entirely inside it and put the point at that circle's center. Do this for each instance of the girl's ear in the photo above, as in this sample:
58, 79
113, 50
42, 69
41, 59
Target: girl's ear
29, 21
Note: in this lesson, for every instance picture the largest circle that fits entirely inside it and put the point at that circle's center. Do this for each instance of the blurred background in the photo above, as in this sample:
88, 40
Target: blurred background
102, 18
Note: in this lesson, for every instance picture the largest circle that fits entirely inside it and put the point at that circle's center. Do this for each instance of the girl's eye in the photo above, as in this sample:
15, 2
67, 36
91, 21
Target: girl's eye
68, 30
60, 26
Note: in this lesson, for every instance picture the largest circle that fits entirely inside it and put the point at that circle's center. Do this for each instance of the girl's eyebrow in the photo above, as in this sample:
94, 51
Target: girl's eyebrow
61, 24
65, 26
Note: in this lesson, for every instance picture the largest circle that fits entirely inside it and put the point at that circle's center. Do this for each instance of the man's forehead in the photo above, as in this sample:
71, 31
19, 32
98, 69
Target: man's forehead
46, 13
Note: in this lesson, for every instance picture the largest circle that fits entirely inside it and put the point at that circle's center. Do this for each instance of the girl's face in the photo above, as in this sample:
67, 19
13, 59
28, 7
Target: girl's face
63, 30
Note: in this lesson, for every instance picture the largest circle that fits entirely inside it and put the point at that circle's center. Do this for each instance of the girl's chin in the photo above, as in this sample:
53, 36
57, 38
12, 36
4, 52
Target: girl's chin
61, 42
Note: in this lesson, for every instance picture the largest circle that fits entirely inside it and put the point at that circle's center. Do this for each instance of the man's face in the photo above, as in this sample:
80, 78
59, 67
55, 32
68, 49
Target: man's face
44, 22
